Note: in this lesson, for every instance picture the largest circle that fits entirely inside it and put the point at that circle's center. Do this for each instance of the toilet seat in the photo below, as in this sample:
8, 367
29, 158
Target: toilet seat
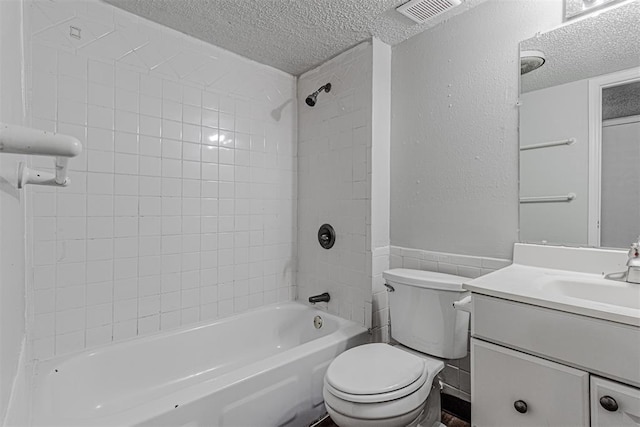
360, 369
375, 373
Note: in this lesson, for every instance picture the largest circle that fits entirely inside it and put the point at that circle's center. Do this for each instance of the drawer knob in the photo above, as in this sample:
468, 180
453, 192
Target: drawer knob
521, 406
609, 403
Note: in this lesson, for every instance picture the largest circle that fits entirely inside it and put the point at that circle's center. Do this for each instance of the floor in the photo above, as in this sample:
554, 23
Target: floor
447, 419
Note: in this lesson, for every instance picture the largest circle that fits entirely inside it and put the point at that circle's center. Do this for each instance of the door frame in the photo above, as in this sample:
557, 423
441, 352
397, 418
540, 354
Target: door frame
596, 85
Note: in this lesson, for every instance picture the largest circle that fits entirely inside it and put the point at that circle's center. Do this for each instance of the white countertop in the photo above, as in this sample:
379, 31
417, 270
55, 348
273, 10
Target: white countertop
534, 285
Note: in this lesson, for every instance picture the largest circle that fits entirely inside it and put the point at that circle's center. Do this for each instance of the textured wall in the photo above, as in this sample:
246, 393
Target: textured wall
182, 206
454, 151
12, 223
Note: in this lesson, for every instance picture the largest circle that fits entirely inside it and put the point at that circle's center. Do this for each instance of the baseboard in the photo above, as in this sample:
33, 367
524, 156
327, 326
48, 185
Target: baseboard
456, 406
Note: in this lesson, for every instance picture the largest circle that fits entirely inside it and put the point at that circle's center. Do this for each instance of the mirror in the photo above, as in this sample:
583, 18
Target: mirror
580, 131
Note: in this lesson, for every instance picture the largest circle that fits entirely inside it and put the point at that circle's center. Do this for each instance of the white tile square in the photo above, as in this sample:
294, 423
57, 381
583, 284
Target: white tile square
100, 95
101, 72
171, 129
100, 183
126, 226
70, 321
69, 343
126, 100
148, 325
99, 205
99, 227
100, 161
127, 79
126, 247
126, 142
99, 336
125, 330
126, 164
149, 186
125, 289
191, 133
44, 301
72, 112
150, 146
151, 85
99, 249
100, 139
99, 294
171, 90
126, 185
99, 271
126, 121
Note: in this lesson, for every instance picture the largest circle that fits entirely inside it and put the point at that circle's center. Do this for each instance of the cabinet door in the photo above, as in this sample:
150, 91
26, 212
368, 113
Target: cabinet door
510, 389
614, 404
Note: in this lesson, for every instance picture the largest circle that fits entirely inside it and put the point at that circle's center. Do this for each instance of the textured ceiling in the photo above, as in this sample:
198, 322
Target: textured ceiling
291, 35
603, 43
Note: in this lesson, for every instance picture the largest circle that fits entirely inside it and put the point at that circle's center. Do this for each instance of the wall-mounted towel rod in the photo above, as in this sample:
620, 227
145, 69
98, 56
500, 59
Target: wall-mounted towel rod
22, 140
548, 199
548, 144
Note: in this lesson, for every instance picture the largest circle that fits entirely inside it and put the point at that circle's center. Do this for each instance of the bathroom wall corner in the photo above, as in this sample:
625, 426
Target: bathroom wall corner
12, 209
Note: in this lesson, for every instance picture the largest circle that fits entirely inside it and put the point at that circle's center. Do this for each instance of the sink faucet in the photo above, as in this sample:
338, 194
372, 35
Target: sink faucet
632, 275
633, 272
320, 298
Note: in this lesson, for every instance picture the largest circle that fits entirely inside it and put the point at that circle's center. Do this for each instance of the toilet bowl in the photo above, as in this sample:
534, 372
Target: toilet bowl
380, 385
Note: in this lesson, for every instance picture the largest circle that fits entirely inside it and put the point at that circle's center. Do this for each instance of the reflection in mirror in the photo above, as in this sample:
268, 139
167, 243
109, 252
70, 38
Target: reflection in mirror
580, 132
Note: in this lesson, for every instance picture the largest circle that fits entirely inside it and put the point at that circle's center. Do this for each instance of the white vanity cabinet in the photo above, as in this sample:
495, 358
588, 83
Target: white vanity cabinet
511, 388
614, 404
536, 366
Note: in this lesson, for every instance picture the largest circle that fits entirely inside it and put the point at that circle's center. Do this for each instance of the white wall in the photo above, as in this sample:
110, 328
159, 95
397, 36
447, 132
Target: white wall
554, 114
333, 183
454, 127
164, 223
12, 223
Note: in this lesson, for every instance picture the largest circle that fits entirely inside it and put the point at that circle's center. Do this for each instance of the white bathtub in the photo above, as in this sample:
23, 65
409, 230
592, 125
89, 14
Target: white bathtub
261, 368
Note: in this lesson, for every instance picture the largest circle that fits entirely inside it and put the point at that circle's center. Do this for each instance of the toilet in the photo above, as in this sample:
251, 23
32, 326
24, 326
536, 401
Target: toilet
383, 385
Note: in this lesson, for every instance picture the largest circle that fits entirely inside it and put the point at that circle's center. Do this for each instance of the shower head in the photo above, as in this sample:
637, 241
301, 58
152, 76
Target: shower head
311, 99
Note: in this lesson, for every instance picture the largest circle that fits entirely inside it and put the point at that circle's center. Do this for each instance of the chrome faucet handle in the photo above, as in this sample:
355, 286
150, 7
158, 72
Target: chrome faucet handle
634, 255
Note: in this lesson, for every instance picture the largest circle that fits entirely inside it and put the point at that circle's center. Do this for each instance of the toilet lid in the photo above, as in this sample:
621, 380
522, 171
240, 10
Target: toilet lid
374, 369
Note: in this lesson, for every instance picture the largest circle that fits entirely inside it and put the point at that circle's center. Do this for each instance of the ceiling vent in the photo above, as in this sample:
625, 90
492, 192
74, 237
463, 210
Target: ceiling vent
421, 11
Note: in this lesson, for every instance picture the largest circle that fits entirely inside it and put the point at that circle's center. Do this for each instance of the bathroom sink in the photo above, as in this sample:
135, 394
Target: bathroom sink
566, 279
602, 291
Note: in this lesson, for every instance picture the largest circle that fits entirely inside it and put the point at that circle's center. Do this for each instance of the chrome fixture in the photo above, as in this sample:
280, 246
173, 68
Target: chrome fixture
632, 275
320, 298
311, 99
633, 263
326, 236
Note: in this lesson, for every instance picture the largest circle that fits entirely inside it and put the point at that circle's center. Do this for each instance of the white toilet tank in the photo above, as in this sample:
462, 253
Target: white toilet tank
422, 314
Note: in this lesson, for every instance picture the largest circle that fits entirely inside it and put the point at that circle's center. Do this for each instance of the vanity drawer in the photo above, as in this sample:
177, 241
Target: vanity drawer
510, 388
614, 404
607, 348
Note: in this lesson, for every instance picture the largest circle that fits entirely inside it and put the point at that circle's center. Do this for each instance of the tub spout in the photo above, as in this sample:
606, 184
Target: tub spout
320, 298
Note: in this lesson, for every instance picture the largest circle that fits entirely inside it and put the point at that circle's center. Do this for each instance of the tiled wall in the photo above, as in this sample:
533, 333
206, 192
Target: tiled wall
456, 375
182, 206
334, 184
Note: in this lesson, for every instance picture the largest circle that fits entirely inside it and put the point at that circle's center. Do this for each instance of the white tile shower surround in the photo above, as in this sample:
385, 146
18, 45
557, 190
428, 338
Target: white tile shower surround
182, 206
456, 374
334, 184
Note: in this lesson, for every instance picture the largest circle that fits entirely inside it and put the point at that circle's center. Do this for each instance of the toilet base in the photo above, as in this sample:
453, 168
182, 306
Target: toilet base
427, 415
